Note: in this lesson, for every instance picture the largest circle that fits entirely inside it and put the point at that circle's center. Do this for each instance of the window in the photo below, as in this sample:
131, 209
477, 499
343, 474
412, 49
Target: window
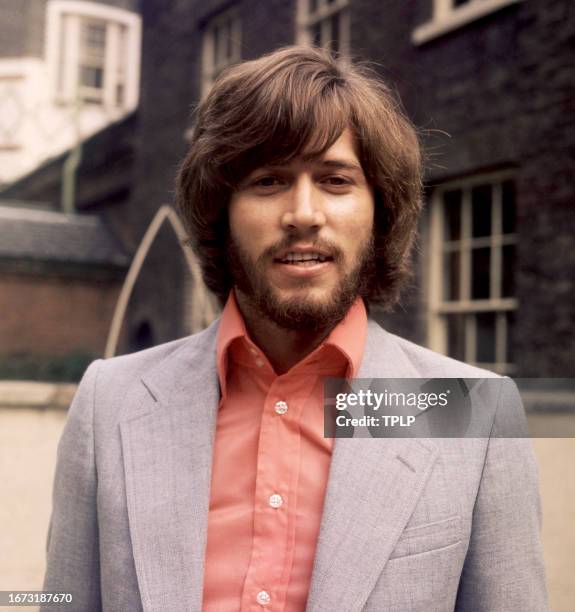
94, 53
11, 111
472, 292
324, 23
221, 46
449, 15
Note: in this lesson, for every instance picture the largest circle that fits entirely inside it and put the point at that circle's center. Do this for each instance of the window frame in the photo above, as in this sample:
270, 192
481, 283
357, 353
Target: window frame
12, 84
439, 308
446, 17
209, 70
121, 71
306, 20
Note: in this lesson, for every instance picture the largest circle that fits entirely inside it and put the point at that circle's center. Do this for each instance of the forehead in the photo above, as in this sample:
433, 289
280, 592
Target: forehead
343, 150
344, 147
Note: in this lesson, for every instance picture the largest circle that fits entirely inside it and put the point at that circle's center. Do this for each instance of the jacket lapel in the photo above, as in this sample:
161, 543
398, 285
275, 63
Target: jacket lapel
372, 490
167, 450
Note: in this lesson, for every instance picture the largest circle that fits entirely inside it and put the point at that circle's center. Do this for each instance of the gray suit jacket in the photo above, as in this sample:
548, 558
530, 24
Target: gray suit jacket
409, 525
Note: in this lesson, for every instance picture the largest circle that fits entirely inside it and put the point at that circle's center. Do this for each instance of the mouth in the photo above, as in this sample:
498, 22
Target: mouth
299, 266
303, 260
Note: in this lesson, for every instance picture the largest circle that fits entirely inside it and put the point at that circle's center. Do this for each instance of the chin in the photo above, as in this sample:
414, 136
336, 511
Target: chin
305, 310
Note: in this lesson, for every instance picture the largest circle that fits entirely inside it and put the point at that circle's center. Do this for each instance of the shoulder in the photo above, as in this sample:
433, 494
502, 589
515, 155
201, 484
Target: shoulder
423, 361
124, 385
138, 364
428, 360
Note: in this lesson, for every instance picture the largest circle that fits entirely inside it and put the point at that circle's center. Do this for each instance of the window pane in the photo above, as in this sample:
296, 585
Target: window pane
452, 214
480, 268
510, 336
451, 265
481, 211
229, 48
456, 336
508, 207
334, 35
485, 337
316, 34
91, 77
508, 272
94, 37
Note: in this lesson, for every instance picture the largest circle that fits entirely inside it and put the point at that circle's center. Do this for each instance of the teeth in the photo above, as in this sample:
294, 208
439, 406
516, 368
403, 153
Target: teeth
295, 257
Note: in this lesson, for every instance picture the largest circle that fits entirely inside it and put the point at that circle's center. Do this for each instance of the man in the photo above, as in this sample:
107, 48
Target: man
195, 475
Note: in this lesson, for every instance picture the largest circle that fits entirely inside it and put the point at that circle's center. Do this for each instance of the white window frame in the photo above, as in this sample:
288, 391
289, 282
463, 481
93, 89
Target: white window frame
438, 307
11, 86
306, 21
64, 18
447, 17
210, 69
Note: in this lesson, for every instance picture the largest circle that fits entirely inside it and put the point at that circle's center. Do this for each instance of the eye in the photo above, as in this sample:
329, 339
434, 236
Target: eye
267, 181
336, 182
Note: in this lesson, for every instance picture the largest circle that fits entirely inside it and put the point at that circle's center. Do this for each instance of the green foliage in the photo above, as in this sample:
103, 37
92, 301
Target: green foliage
47, 368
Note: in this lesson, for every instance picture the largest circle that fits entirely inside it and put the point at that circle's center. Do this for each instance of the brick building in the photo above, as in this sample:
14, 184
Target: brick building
490, 85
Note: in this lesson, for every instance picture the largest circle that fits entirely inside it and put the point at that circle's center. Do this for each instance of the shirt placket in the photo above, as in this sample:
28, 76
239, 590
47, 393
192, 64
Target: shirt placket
278, 464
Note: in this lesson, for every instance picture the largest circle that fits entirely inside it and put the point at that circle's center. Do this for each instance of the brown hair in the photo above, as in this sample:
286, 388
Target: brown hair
297, 101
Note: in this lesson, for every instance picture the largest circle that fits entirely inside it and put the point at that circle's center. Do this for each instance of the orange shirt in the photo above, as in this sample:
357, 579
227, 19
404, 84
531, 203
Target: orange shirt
270, 467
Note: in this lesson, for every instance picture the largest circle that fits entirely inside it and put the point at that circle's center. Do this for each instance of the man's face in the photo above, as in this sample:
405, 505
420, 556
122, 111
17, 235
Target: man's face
301, 238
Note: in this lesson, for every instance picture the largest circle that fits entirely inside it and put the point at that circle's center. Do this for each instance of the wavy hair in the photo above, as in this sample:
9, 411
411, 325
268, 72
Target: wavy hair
297, 101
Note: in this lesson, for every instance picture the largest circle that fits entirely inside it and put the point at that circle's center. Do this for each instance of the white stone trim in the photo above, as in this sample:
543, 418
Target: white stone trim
447, 18
209, 70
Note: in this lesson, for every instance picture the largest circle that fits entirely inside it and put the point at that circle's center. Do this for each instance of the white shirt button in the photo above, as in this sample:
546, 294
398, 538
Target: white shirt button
276, 500
263, 598
253, 350
281, 407
259, 363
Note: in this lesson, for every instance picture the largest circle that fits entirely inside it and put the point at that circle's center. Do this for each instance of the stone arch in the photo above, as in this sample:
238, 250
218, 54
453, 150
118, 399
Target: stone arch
203, 304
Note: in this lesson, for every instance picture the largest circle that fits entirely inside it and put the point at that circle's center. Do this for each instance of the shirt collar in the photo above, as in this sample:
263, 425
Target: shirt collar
347, 337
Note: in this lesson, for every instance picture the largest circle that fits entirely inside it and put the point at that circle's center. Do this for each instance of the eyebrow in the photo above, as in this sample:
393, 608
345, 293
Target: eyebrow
341, 164
335, 164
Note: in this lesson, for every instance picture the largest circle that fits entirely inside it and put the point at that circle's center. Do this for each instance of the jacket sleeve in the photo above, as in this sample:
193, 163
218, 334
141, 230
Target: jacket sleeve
73, 558
504, 567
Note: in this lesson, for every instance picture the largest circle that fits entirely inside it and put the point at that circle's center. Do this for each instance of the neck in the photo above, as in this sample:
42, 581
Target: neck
283, 347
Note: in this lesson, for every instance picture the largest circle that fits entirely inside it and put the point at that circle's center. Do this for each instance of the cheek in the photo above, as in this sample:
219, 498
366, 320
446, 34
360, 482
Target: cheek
237, 217
356, 226
247, 220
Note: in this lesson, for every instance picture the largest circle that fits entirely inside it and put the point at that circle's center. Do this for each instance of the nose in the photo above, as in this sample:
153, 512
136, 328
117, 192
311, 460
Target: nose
304, 208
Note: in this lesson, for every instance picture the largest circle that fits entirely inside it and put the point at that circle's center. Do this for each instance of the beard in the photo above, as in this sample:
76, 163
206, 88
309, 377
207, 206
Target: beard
300, 313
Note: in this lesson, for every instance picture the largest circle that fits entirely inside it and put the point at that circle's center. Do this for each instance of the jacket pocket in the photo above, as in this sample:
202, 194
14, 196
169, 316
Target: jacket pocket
428, 537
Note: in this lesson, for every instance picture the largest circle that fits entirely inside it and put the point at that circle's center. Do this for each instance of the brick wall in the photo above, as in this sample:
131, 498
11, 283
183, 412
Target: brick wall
53, 315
